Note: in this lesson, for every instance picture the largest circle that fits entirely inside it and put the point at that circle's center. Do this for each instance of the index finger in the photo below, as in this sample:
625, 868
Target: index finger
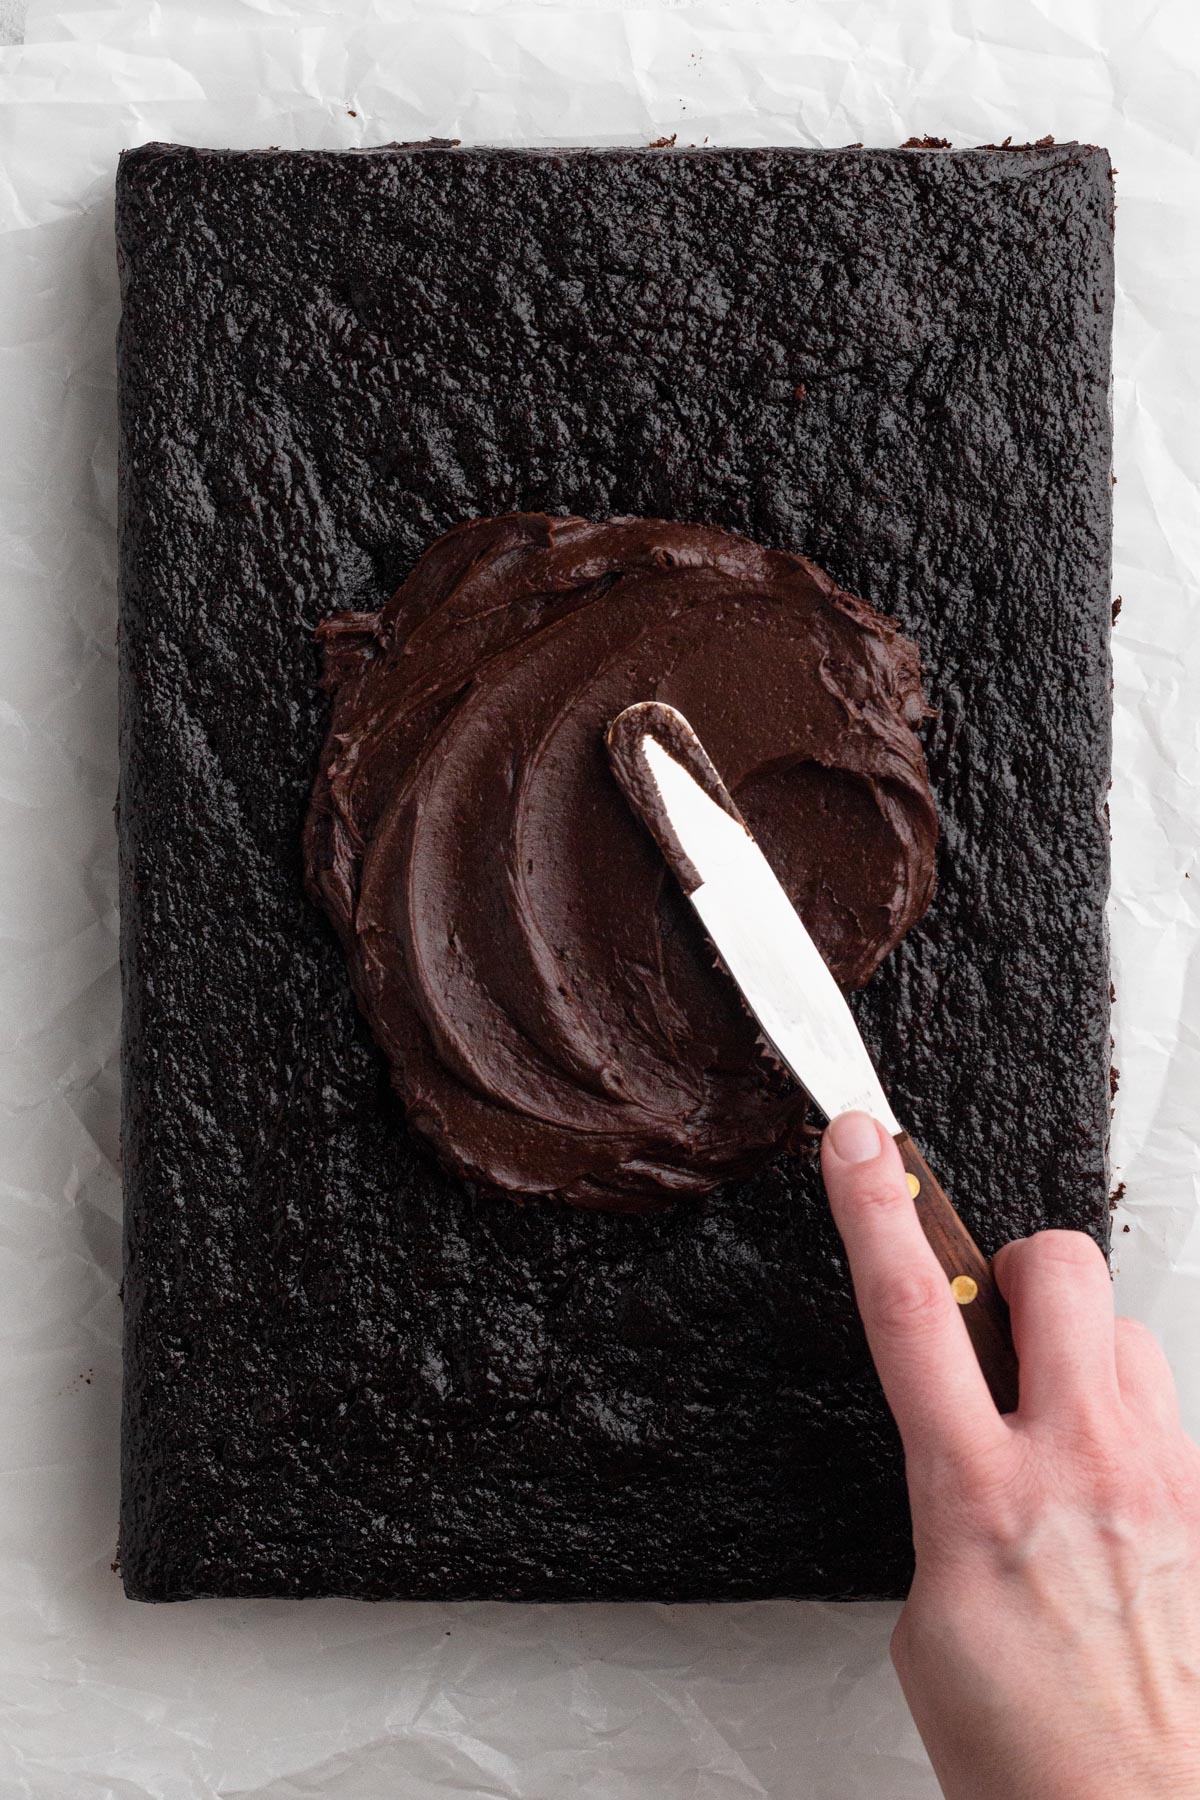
914, 1326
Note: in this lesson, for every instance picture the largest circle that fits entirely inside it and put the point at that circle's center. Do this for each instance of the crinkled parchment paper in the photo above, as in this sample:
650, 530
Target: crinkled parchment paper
334, 1699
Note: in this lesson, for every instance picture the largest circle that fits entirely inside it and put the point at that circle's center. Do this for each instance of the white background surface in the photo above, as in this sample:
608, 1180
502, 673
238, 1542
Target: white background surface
330, 1699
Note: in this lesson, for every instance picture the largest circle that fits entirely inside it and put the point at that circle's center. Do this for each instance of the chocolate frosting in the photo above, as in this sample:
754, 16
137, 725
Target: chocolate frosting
546, 999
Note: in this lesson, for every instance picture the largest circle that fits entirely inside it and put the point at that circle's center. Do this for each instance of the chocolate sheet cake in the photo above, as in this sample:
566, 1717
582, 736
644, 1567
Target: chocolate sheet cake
347, 1370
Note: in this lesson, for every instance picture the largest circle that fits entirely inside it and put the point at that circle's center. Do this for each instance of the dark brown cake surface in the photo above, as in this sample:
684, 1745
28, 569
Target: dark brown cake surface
346, 1371
547, 1002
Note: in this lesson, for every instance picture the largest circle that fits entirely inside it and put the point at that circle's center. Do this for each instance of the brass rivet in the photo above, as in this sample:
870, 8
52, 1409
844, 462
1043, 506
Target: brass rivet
914, 1186
964, 1289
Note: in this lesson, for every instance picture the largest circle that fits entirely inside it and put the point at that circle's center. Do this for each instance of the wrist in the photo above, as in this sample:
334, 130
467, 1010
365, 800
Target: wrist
1166, 1767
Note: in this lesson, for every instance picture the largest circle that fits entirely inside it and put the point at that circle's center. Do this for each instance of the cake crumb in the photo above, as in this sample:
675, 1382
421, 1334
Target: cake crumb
1118, 603
663, 143
921, 143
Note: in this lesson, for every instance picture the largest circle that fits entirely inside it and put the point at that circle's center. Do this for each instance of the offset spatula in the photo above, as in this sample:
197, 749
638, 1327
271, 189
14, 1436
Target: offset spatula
763, 943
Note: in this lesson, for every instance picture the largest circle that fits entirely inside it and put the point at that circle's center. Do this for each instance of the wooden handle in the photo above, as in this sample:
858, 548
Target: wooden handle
971, 1278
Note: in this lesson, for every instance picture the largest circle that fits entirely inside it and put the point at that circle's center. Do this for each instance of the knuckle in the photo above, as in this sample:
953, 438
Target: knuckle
1140, 1341
993, 1490
1109, 1470
909, 1301
878, 1194
1145, 1373
1122, 1495
1070, 1251
1139, 1348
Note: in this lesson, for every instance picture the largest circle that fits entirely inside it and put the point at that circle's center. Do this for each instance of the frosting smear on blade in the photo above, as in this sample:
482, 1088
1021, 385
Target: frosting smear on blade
546, 999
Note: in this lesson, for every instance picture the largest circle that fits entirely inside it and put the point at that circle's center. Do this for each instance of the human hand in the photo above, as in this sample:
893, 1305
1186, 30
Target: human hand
1050, 1646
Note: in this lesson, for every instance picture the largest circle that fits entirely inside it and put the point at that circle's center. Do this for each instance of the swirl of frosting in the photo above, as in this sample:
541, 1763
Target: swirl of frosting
547, 1002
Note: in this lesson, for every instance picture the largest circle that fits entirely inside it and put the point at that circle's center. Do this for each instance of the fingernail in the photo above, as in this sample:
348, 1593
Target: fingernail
855, 1137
